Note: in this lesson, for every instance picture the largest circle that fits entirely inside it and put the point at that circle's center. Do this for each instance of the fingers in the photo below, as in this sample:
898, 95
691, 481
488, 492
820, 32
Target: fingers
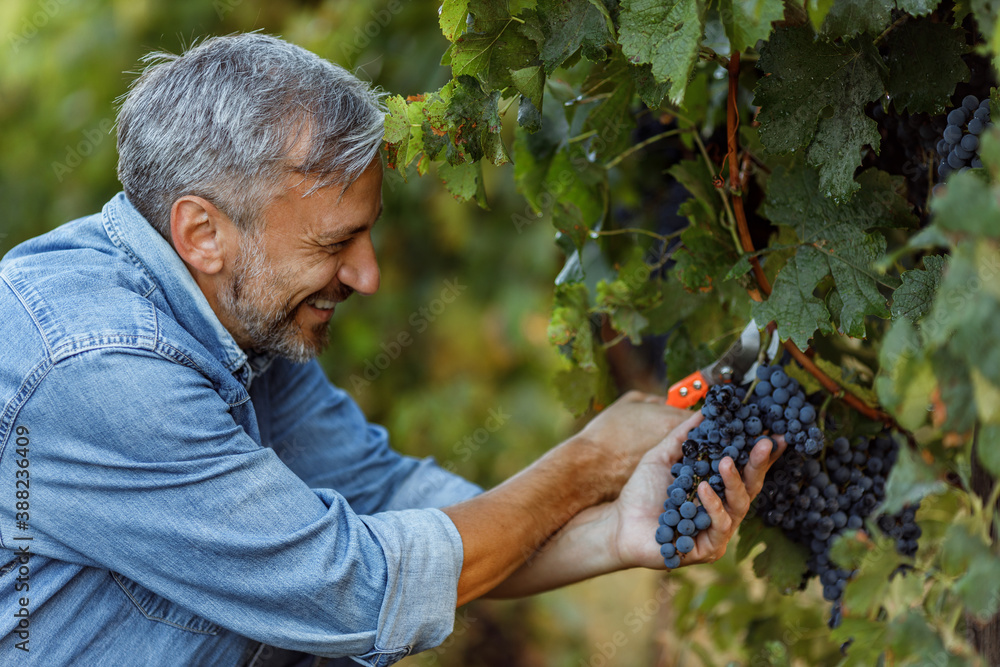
722, 522
762, 456
736, 492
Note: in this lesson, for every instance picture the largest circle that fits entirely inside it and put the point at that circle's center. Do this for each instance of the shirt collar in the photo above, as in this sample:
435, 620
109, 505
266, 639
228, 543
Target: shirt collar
151, 253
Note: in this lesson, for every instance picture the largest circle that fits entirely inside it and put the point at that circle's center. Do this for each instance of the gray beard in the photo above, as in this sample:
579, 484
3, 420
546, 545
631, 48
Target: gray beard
270, 327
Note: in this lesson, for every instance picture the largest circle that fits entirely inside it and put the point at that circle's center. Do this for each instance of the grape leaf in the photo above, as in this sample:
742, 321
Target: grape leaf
569, 25
707, 251
494, 47
918, 7
988, 448
666, 34
836, 241
913, 299
650, 90
528, 115
814, 96
925, 63
783, 562
747, 21
570, 324
610, 119
464, 181
847, 18
452, 18
910, 479
530, 82
967, 205
792, 304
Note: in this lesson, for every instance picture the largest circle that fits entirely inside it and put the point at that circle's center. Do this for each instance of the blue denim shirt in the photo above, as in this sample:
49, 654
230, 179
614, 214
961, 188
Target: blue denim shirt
165, 499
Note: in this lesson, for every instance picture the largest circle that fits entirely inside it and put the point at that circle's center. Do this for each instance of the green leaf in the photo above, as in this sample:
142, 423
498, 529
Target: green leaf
867, 589
967, 205
914, 297
979, 587
464, 180
611, 118
452, 18
748, 21
783, 562
910, 479
496, 46
666, 34
917, 7
925, 64
629, 297
570, 325
530, 82
847, 18
988, 448
814, 98
569, 25
528, 115
906, 378
650, 90
792, 304
837, 241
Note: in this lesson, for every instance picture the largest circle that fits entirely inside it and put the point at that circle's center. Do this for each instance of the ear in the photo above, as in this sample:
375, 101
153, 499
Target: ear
201, 233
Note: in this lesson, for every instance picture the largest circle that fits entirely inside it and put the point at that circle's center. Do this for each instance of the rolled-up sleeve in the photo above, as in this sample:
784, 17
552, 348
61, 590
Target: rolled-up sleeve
148, 474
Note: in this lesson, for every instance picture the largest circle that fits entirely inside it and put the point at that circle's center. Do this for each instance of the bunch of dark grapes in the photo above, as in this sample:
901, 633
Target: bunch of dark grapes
959, 144
730, 428
814, 500
815, 492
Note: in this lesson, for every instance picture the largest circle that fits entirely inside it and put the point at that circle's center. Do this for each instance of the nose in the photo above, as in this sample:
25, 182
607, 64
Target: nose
360, 268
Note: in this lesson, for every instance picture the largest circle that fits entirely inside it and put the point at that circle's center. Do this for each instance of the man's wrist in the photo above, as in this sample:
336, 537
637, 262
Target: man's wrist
600, 472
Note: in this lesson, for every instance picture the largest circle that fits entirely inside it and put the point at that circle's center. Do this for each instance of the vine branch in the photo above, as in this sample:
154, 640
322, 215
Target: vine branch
732, 127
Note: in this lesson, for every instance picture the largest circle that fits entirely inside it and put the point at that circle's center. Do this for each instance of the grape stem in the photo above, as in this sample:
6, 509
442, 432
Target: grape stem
732, 127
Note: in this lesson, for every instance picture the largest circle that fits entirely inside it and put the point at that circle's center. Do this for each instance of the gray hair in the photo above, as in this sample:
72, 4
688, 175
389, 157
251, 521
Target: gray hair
230, 118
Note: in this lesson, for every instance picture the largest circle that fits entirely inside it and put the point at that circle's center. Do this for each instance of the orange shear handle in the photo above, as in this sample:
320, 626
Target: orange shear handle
685, 393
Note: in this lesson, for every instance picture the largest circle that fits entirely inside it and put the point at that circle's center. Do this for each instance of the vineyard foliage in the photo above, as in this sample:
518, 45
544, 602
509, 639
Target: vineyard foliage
703, 163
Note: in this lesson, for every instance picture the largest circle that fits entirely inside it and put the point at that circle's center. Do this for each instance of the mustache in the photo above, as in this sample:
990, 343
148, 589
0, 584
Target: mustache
339, 295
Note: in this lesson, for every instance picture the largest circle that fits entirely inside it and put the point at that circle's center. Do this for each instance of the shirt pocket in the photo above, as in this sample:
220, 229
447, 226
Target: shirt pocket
160, 609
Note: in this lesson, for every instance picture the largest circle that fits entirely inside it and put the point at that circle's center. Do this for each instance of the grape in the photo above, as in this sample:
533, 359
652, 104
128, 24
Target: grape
702, 521
688, 510
664, 534
970, 142
976, 126
970, 102
780, 396
672, 561
953, 134
686, 527
778, 378
957, 117
685, 544
667, 550
671, 517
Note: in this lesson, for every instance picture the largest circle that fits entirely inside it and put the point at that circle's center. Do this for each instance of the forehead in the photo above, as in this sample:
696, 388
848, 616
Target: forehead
330, 210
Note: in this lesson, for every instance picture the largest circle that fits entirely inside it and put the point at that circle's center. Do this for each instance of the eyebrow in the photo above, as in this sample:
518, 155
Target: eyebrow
357, 229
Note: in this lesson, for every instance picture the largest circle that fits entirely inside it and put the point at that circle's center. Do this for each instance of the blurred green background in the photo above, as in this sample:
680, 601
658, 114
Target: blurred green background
479, 353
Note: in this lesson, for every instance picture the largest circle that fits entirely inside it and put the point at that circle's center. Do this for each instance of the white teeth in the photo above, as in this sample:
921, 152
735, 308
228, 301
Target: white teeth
323, 304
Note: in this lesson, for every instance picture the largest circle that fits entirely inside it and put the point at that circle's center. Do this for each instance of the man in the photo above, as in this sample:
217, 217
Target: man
185, 485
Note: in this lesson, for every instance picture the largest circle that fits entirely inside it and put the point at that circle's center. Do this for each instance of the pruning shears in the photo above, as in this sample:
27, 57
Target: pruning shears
738, 364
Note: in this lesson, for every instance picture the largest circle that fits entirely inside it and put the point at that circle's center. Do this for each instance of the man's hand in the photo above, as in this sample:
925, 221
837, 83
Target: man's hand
640, 504
625, 431
621, 534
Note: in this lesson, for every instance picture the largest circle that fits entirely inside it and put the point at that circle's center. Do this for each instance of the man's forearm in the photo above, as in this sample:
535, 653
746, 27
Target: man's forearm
582, 549
505, 526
